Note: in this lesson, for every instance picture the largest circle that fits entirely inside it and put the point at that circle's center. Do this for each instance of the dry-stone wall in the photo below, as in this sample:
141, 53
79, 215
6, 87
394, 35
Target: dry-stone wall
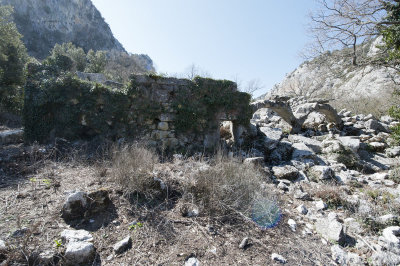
169, 113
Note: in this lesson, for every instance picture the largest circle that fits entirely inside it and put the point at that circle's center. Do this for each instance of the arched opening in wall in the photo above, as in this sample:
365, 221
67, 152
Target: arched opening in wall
225, 130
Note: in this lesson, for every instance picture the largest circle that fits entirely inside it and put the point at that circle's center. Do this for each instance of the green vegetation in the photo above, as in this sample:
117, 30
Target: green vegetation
65, 106
391, 37
13, 57
68, 57
199, 104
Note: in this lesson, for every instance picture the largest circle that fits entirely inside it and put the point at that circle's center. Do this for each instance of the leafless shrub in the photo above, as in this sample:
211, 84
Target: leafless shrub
335, 198
227, 187
132, 167
367, 105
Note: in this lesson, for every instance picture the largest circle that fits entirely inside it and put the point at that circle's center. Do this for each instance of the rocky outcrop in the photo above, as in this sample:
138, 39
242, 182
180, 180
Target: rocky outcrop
43, 23
332, 76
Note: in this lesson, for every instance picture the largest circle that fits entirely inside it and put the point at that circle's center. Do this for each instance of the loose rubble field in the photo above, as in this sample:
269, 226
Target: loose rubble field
337, 190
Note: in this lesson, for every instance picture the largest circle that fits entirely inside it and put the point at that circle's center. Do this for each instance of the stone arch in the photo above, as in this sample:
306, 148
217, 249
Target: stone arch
296, 119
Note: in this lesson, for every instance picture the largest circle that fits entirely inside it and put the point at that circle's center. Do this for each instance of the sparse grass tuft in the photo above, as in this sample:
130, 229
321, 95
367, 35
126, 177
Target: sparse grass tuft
132, 167
334, 198
225, 188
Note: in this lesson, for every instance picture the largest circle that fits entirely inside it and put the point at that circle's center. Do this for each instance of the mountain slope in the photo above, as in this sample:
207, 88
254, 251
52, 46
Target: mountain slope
365, 88
43, 23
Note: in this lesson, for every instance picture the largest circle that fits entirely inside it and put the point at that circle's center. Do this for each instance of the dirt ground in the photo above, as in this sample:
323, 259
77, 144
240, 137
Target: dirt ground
32, 195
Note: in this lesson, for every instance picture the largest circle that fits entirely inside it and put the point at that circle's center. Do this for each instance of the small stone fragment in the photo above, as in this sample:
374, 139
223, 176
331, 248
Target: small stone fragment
293, 225
278, 258
302, 209
192, 262
321, 205
123, 245
2, 245
244, 243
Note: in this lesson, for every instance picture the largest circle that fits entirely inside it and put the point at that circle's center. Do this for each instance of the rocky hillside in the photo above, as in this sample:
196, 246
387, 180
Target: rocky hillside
324, 196
43, 23
364, 88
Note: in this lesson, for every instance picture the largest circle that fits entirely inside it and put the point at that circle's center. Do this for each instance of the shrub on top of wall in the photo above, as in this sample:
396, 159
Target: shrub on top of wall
209, 97
64, 106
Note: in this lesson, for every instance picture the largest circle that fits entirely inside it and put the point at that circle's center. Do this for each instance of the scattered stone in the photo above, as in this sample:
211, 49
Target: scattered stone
331, 229
302, 195
2, 245
392, 235
98, 201
321, 205
320, 173
79, 246
389, 183
313, 144
76, 235
79, 252
258, 161
377, 146
385, 258
272, 137
292, 224
341, 257
375, 125
244, 243
388, 218
47, 258
302, 209
283, 186
74, 206
192, 262
278, 258
11, 136
286, 172
393, 152
79, 204
352, 143
123, 245
301, 152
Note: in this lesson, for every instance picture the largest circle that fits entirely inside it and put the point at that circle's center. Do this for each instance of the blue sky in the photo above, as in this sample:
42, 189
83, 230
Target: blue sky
239, 40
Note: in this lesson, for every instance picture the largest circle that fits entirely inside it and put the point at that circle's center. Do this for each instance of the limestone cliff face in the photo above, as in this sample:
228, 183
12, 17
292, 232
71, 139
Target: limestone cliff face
332, 76
43, 23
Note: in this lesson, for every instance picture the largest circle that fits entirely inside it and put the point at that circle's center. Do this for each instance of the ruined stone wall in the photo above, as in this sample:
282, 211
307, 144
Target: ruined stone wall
168, 113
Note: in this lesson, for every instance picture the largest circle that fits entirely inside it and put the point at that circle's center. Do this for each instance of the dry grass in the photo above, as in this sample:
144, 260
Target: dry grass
132, 167
226, 187
334, 197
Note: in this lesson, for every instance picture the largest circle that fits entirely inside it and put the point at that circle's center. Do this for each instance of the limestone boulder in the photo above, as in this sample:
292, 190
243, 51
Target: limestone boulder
331, 229
286, 172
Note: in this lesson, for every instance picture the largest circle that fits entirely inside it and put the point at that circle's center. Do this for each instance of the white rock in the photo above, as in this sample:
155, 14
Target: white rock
344, 258
331, 229
278, 258
192, 262
2, 245
293, 225
79, 252
392, 235
351, 143
285, 172
73, 205
320, 173
123, 245
321, 205
386, 218
76, 235
302, 209
302, 152
313, 144
244, 243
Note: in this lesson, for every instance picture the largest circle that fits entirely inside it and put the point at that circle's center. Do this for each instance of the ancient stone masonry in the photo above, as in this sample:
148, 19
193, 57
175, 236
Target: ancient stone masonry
169, 113
296, 118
